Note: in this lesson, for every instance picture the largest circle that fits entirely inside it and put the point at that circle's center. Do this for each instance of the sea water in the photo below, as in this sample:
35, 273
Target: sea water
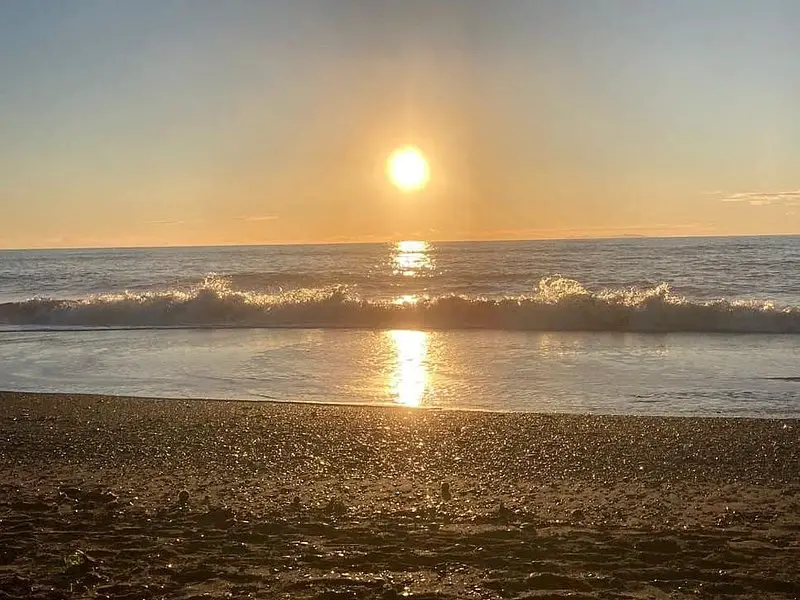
702, 326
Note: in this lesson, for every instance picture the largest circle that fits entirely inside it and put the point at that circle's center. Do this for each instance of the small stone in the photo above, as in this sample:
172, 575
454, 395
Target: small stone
335, 507
183, 497
445, 491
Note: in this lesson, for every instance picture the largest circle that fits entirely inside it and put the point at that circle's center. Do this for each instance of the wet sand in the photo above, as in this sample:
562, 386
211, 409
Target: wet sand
130, 498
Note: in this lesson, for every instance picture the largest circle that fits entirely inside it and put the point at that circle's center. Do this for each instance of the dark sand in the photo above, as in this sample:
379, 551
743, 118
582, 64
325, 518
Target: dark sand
306, 501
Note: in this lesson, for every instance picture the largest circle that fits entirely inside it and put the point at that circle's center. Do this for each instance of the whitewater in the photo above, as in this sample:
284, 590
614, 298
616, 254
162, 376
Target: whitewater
487, 325
558, 304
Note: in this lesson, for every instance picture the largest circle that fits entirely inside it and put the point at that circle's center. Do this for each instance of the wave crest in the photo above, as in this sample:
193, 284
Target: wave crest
557, 304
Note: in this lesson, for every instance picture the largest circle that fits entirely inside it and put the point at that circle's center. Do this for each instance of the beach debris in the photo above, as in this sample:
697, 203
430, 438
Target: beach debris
577, 514
296, 503
78, 562
183, 497
445, 491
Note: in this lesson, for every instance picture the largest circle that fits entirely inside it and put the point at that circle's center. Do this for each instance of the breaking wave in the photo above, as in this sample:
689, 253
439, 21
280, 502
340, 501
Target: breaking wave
557, 304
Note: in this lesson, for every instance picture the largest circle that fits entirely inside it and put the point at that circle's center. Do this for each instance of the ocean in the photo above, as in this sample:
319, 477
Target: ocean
669, 326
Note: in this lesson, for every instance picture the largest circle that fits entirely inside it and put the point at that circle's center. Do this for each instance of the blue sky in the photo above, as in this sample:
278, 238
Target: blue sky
190, 122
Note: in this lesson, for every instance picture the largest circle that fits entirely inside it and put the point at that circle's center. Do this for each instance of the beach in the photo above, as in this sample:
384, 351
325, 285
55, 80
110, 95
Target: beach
351, 300
111, 497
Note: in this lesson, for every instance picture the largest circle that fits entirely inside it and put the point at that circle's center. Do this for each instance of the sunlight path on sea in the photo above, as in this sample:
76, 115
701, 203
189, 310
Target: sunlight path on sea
410, 378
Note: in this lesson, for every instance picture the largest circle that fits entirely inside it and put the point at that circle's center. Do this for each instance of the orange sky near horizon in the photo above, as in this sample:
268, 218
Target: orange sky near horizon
169, 124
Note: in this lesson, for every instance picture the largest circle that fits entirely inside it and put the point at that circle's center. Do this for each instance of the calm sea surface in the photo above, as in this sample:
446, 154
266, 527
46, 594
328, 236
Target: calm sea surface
637, 326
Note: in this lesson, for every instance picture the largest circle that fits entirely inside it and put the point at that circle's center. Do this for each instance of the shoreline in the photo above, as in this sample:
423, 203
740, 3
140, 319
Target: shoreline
178, 498
85, 396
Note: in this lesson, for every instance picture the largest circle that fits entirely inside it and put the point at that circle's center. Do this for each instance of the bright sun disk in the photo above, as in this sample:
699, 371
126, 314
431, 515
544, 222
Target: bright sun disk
408, 169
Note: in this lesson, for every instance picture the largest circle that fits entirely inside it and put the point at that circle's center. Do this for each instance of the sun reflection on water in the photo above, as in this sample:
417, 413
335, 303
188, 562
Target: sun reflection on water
411, 258
409, 379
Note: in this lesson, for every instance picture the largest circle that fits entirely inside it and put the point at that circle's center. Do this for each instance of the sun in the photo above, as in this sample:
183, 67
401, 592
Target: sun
407, 169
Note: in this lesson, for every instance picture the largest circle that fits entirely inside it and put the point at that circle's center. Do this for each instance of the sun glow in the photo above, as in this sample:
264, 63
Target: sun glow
407, 169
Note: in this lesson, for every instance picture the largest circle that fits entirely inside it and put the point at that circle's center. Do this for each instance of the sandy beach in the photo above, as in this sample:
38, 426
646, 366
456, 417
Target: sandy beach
130, 498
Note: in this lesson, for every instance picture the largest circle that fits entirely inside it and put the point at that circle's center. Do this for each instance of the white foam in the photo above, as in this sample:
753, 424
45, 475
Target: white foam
557, 304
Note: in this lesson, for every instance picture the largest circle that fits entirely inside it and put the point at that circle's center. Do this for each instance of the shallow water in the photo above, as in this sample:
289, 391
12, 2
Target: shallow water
606, 373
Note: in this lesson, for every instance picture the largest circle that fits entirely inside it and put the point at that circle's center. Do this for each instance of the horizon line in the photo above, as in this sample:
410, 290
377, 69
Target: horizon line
394, 241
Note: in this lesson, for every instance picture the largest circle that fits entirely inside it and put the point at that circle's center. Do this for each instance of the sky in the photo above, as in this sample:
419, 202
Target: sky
197, 122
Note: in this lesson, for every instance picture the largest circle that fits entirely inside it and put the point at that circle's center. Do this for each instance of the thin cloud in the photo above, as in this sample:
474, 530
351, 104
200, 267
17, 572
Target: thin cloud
247, 219
788, 198
638, 230
165, 222
257, 218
